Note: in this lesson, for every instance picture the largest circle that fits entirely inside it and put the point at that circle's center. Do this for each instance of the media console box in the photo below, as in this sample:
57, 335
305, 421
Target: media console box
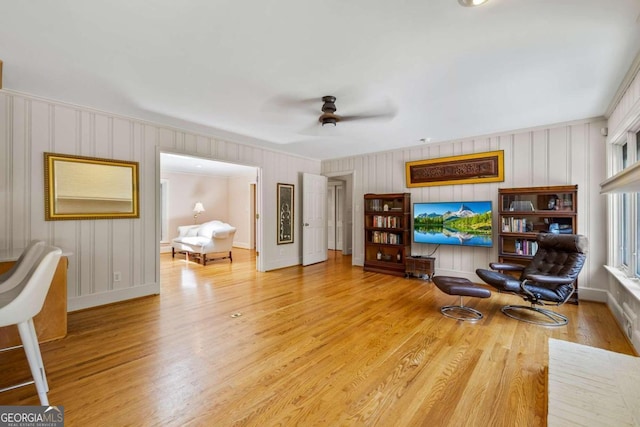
51, 322
420, 266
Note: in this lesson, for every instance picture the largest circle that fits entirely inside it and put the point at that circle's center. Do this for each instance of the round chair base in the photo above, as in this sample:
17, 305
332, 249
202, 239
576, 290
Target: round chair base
460, 312
535, 315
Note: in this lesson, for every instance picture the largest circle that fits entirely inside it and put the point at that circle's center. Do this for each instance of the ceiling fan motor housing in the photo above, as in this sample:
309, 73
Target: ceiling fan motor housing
328, 109
329, 105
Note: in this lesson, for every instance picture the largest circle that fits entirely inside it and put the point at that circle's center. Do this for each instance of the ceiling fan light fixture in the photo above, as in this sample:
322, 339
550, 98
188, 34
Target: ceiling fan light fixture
471, 3
331, 121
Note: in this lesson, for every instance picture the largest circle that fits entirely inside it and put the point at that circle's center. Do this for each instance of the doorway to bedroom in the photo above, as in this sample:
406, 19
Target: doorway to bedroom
195, 190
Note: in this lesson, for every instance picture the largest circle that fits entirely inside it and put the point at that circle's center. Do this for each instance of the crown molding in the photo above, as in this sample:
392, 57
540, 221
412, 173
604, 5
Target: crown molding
624, 85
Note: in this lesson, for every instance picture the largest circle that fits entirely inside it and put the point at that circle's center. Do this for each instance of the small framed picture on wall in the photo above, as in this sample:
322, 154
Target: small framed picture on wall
285, 213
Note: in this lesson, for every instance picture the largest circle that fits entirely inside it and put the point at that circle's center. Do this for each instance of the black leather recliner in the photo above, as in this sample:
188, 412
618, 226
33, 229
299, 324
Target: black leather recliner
549, 279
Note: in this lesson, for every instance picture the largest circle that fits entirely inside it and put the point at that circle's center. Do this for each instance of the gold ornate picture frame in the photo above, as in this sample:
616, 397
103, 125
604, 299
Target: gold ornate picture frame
78, 187
464, 169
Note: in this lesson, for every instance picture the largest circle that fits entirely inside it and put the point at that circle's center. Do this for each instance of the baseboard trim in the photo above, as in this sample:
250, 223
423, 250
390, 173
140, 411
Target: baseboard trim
282, 263
95, 300
618, 313
591, 294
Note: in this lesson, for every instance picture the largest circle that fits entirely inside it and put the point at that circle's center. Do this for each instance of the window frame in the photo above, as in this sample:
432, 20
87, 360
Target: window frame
625, 207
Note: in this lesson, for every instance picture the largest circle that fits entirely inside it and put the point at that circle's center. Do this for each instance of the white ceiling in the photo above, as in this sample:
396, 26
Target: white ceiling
194, 165
225, 67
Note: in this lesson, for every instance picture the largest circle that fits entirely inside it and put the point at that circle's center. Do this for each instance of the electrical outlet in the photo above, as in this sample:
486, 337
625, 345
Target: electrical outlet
117, 276
628, 327
628, 319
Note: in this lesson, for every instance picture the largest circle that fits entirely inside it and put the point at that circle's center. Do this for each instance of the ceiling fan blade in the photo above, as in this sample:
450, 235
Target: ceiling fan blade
385, 112
285, 105
294, 104
292, 101
383, 116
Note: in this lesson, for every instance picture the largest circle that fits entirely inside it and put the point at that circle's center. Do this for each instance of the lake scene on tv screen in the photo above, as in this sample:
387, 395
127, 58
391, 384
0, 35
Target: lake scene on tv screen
453, 223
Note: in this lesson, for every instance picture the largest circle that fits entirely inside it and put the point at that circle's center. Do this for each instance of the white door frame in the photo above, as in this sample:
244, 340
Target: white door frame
353, 206
259, 205
335, 215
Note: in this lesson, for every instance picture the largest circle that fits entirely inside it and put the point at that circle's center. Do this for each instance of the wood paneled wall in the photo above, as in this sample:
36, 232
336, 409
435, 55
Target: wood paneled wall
571, 153
29, 126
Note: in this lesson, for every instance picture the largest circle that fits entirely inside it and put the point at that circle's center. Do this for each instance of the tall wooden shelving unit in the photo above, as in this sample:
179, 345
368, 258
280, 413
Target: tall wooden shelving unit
525, 212
387, 232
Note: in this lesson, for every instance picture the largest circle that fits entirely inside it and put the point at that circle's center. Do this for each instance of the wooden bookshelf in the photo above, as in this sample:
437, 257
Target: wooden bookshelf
525, 212
387, 232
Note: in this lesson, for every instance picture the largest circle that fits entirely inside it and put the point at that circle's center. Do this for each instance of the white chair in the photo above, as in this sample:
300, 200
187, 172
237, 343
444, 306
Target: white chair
21, 303
9, 279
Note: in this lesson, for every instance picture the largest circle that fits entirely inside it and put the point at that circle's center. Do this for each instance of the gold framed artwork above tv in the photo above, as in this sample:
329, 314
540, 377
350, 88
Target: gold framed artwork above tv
464, 169
77, 187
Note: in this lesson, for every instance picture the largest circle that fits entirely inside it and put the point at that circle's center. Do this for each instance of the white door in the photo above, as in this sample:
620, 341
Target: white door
314, 218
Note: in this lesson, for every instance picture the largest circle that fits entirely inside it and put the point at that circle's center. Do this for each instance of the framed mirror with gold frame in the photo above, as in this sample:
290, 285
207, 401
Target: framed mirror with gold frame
77, 187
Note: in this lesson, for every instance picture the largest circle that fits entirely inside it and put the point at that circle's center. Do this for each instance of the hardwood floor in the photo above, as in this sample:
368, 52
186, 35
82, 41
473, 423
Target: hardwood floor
325, 345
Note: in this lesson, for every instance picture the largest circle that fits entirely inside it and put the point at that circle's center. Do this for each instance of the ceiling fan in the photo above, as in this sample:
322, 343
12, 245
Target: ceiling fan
330, 118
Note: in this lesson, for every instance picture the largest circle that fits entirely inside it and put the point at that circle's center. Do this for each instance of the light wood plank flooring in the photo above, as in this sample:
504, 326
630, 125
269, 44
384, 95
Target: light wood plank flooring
324, 345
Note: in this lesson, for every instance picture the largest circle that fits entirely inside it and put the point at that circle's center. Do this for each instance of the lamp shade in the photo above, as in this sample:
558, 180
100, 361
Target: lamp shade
198, 208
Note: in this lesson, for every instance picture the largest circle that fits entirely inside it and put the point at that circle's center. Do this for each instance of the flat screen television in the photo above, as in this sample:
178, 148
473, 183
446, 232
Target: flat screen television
453, 223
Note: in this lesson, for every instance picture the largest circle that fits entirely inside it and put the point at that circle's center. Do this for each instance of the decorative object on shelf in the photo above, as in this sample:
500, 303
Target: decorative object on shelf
197, 209
78, 187
285, 213
521, 206
551, 204
465, 169
379, 255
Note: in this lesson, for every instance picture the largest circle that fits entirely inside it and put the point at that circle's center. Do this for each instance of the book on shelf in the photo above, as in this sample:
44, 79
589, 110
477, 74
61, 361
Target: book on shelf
382, 221
514, 225
386, 238
526, 247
